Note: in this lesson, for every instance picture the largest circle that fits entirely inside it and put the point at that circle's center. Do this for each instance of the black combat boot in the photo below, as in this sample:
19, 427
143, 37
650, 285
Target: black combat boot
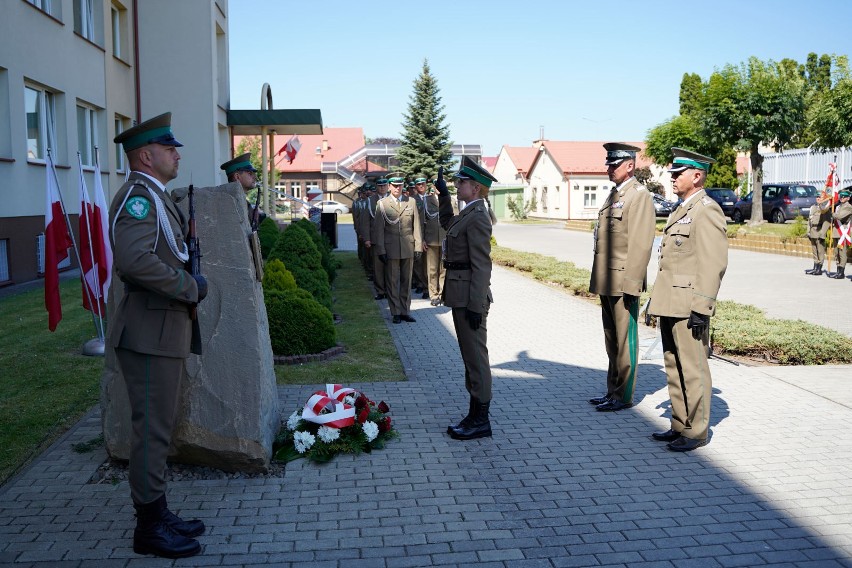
817, 269
191, 528
812, 270
478, 427
840, 274
154, 536
464, 421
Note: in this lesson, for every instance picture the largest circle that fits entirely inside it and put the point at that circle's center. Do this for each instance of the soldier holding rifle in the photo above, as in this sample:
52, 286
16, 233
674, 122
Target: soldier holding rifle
152, 329
840, 232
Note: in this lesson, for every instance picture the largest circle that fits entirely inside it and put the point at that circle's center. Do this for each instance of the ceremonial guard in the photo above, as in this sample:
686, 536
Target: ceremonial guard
367, 228
152, 329
623, 237
417, 191
841, 232
397, 240
357, 208
467, 287
819, 221
433, 236
242, 171
693, 260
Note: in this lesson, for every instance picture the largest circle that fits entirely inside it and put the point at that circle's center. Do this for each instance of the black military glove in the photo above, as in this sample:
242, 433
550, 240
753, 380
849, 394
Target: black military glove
473, 318
202, 286
417, 255
383, 258
440, 184
629, 300
698, 323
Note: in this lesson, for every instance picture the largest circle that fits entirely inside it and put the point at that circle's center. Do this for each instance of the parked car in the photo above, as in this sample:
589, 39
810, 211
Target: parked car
333, 207
781, 201
726, 198
661, 206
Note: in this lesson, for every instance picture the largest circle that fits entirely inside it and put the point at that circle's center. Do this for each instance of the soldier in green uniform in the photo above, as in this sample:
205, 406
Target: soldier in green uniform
467, 287
624, 235
242, 171
433, 236
397, 239
367, 227
693, 260
842, 222
152, 328
819, 220
417, 191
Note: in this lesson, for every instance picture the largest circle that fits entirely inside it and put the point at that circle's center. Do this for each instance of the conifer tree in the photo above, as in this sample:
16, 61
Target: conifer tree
425, 139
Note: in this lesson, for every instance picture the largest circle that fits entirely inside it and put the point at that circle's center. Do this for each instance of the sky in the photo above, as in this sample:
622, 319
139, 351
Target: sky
507, 70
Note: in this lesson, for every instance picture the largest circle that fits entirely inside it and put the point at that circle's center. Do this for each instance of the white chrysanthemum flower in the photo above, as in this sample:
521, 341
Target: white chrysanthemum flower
371, 429
303, 441
293, 421
327, 434
349, 399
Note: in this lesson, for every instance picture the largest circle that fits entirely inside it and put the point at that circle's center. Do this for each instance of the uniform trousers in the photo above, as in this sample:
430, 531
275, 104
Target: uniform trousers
473, 345
841, 256
379, 271
818, 249
398, 285
434, 271
419, 278
688, 376
153, 386
621, 337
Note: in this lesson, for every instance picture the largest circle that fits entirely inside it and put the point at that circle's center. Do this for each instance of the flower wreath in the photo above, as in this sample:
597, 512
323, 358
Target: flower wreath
338, 419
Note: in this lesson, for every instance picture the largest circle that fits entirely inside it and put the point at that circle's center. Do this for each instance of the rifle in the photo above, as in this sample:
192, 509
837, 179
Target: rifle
255, 215
194, 268
254, 239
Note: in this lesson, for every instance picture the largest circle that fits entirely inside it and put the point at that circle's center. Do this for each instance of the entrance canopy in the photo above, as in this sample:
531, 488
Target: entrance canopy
282, 121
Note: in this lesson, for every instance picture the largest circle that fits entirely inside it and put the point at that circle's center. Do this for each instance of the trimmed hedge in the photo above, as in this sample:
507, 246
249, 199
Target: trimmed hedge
277, 277
267, 233
298, 324
297, 251
329, 263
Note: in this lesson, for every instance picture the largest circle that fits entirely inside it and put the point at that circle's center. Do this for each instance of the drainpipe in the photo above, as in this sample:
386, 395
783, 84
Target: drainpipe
136, 59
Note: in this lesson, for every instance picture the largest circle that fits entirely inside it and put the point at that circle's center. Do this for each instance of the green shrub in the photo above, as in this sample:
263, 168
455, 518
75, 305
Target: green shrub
297, 251
298, 324
268, 234
277, 277
329, 263
799, 228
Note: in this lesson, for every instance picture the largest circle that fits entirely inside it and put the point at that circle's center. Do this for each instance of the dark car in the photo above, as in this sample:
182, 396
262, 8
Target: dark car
661, 206
781, 201
726, 198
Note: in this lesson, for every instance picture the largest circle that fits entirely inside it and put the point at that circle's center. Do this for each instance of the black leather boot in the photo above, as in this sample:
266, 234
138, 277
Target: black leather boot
478, 427
154, 536
464, 421
817, 269
191, 528
840, 274
812, 270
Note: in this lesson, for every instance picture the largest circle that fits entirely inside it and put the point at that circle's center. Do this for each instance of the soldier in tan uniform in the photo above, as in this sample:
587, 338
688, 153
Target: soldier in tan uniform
152, 330
379, 268
819, 220
467, 287
842, 220
693, 260
397, 240
242, 171
433, 236
624, 235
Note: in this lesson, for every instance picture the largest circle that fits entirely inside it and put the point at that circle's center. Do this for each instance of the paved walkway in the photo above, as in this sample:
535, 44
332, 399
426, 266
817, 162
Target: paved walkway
558, 485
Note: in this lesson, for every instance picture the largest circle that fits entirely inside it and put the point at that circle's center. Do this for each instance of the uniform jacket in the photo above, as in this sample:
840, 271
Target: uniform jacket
819, 220
357, 210
153, 315
366, 217
468, 242
842, 214
624, 236
433, 232
693, 260
396, 228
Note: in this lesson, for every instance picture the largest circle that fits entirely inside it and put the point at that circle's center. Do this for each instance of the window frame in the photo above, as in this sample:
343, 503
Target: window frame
46, 129
590, 196
87, 140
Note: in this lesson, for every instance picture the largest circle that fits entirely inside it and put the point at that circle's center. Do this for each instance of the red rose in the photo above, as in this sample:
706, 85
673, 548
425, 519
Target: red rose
363, 415
383, 407
361, 402
385, 424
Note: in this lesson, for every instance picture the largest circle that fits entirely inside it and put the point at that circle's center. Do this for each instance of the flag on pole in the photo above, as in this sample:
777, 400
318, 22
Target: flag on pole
100, 218
56, 244
91, 252
291, 148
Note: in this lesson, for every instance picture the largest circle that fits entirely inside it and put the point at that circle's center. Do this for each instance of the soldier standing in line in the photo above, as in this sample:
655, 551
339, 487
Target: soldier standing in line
819, 221
467, 287
368, 226
240, 170
433, 236
418, 193
693, 260
397, 239
624, 235
841, 232
356, 212
152, 330
365, 224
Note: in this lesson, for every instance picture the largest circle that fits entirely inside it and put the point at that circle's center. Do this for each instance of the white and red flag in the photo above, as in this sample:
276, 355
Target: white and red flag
291, 148
92, 271
56, 244
100, 218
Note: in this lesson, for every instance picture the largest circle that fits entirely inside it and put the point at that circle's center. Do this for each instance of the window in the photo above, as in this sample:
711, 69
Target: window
311, 186
121, 124
590, 196
43, 5
544, 200
557, 197
87, 134
84, 19
41, 121
4, 260
296, 189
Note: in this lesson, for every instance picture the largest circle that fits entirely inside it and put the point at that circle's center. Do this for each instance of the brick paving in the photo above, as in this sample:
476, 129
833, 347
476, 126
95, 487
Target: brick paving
558, 485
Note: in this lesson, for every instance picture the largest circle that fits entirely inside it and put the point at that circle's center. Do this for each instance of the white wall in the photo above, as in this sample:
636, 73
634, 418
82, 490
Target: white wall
547, 174
506, 171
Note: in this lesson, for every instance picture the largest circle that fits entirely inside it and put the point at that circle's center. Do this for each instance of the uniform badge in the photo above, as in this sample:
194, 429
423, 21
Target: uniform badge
678, 241
684, 221
138, 207
706, 200
618, 205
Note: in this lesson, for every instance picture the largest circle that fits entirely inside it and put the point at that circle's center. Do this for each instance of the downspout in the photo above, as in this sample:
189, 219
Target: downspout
136, 59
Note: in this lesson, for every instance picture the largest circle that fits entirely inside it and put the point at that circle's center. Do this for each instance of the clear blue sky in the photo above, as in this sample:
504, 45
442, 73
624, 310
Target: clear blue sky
602, 70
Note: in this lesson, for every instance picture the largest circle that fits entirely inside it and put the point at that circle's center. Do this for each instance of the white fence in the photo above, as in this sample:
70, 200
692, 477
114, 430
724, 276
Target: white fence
807, 166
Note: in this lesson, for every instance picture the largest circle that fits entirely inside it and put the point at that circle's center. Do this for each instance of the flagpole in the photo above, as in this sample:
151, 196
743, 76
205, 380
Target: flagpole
98, 326
101, 305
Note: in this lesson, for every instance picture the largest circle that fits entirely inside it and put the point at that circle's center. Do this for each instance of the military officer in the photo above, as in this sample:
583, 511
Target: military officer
819, 220
152, 328
467, 287
357, 208
367, 227
397, 239
433, 236
242, 171
841, 232
693, 260
624, 235
418, 280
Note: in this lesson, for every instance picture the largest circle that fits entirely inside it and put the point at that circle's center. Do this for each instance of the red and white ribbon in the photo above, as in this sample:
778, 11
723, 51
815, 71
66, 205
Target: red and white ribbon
845, 238
337, 414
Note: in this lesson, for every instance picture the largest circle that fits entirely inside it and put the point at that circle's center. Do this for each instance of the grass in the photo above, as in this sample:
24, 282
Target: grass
47, 384
370, 355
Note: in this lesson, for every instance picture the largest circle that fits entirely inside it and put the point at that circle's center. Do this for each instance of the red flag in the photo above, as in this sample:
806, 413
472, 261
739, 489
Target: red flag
91, 252
101, 220
291, 148
56, 244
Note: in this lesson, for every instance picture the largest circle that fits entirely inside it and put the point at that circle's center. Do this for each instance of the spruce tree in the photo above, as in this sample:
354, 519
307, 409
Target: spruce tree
425, 139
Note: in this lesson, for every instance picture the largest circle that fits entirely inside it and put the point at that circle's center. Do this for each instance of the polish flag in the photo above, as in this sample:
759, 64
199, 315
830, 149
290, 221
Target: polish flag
56, 244
100, 219
91, 252
291, 148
